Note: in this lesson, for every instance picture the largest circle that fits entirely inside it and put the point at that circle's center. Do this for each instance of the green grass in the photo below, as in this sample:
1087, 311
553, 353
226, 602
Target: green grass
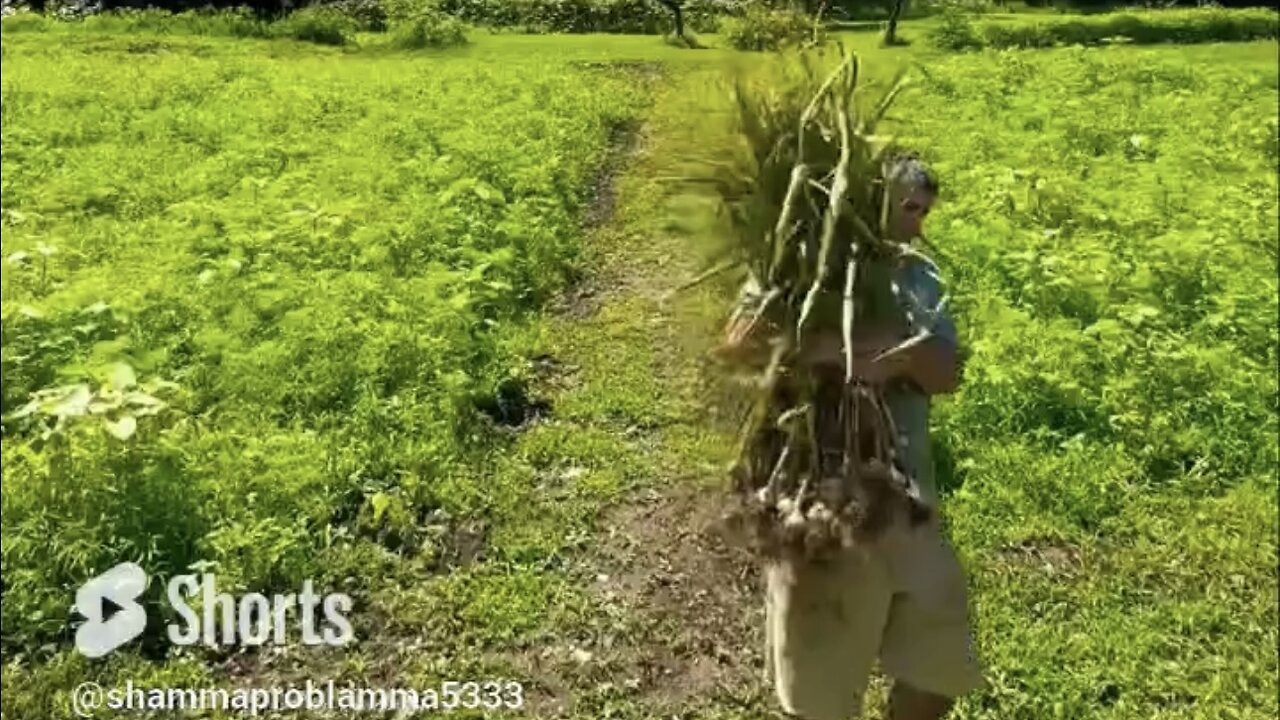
329, 258
334, 252
1115, 264
1183, 26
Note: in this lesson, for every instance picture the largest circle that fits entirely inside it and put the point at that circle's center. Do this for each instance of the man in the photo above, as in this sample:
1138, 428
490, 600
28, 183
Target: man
901, 599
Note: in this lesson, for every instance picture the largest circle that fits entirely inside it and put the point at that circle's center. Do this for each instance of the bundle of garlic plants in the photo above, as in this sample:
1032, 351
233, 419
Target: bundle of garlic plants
820, 464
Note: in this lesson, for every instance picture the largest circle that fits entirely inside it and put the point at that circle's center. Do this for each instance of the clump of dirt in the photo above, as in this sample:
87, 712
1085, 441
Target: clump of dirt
463, 545
551, 375
580, 301
1051, 556
511, 404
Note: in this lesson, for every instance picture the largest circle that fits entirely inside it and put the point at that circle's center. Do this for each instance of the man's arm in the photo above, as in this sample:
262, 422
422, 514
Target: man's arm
931, 364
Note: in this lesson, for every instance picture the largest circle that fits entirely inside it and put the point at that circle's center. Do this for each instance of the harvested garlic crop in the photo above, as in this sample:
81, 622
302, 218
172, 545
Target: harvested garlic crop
820, 513
794, 519
786, 506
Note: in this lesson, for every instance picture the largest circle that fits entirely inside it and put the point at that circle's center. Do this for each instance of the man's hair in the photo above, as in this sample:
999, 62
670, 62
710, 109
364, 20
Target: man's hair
909, 170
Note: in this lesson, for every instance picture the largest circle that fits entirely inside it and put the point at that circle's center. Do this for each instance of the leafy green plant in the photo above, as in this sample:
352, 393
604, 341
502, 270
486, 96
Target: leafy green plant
319, 24
956, 31
367, 15
927, 8
117, 403
231, 22
36, 266
581, 16
761, 28
428, 28
327, 24
24, 21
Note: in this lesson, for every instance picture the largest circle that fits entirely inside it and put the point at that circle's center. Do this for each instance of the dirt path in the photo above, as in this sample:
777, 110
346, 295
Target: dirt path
693, 644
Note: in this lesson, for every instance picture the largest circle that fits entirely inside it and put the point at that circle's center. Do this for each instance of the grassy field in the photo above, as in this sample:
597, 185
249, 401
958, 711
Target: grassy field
410, 317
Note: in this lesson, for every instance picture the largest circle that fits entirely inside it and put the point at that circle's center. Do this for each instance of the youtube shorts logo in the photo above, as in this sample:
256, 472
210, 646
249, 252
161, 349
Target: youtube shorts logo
113, 618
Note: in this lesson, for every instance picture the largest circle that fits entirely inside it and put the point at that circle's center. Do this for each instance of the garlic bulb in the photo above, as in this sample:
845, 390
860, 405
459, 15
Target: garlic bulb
786, 506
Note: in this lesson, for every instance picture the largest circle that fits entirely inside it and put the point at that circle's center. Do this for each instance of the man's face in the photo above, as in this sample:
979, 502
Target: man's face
912, 209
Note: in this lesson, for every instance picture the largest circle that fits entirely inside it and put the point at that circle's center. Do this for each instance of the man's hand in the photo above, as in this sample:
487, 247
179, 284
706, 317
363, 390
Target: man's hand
867, 368
930, 364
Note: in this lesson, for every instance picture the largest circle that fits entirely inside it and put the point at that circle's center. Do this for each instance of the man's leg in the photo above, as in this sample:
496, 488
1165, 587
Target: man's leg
908, 703
824, 624
927, 646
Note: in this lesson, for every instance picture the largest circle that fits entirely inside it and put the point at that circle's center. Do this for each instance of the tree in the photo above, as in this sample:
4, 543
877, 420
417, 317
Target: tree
677, 13
891, 30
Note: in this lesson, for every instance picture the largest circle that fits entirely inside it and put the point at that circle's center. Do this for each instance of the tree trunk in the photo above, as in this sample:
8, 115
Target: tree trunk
817, 19
891, 32
674, 7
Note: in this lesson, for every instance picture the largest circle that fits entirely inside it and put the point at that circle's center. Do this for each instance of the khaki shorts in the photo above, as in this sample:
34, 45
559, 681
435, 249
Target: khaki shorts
901, 600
